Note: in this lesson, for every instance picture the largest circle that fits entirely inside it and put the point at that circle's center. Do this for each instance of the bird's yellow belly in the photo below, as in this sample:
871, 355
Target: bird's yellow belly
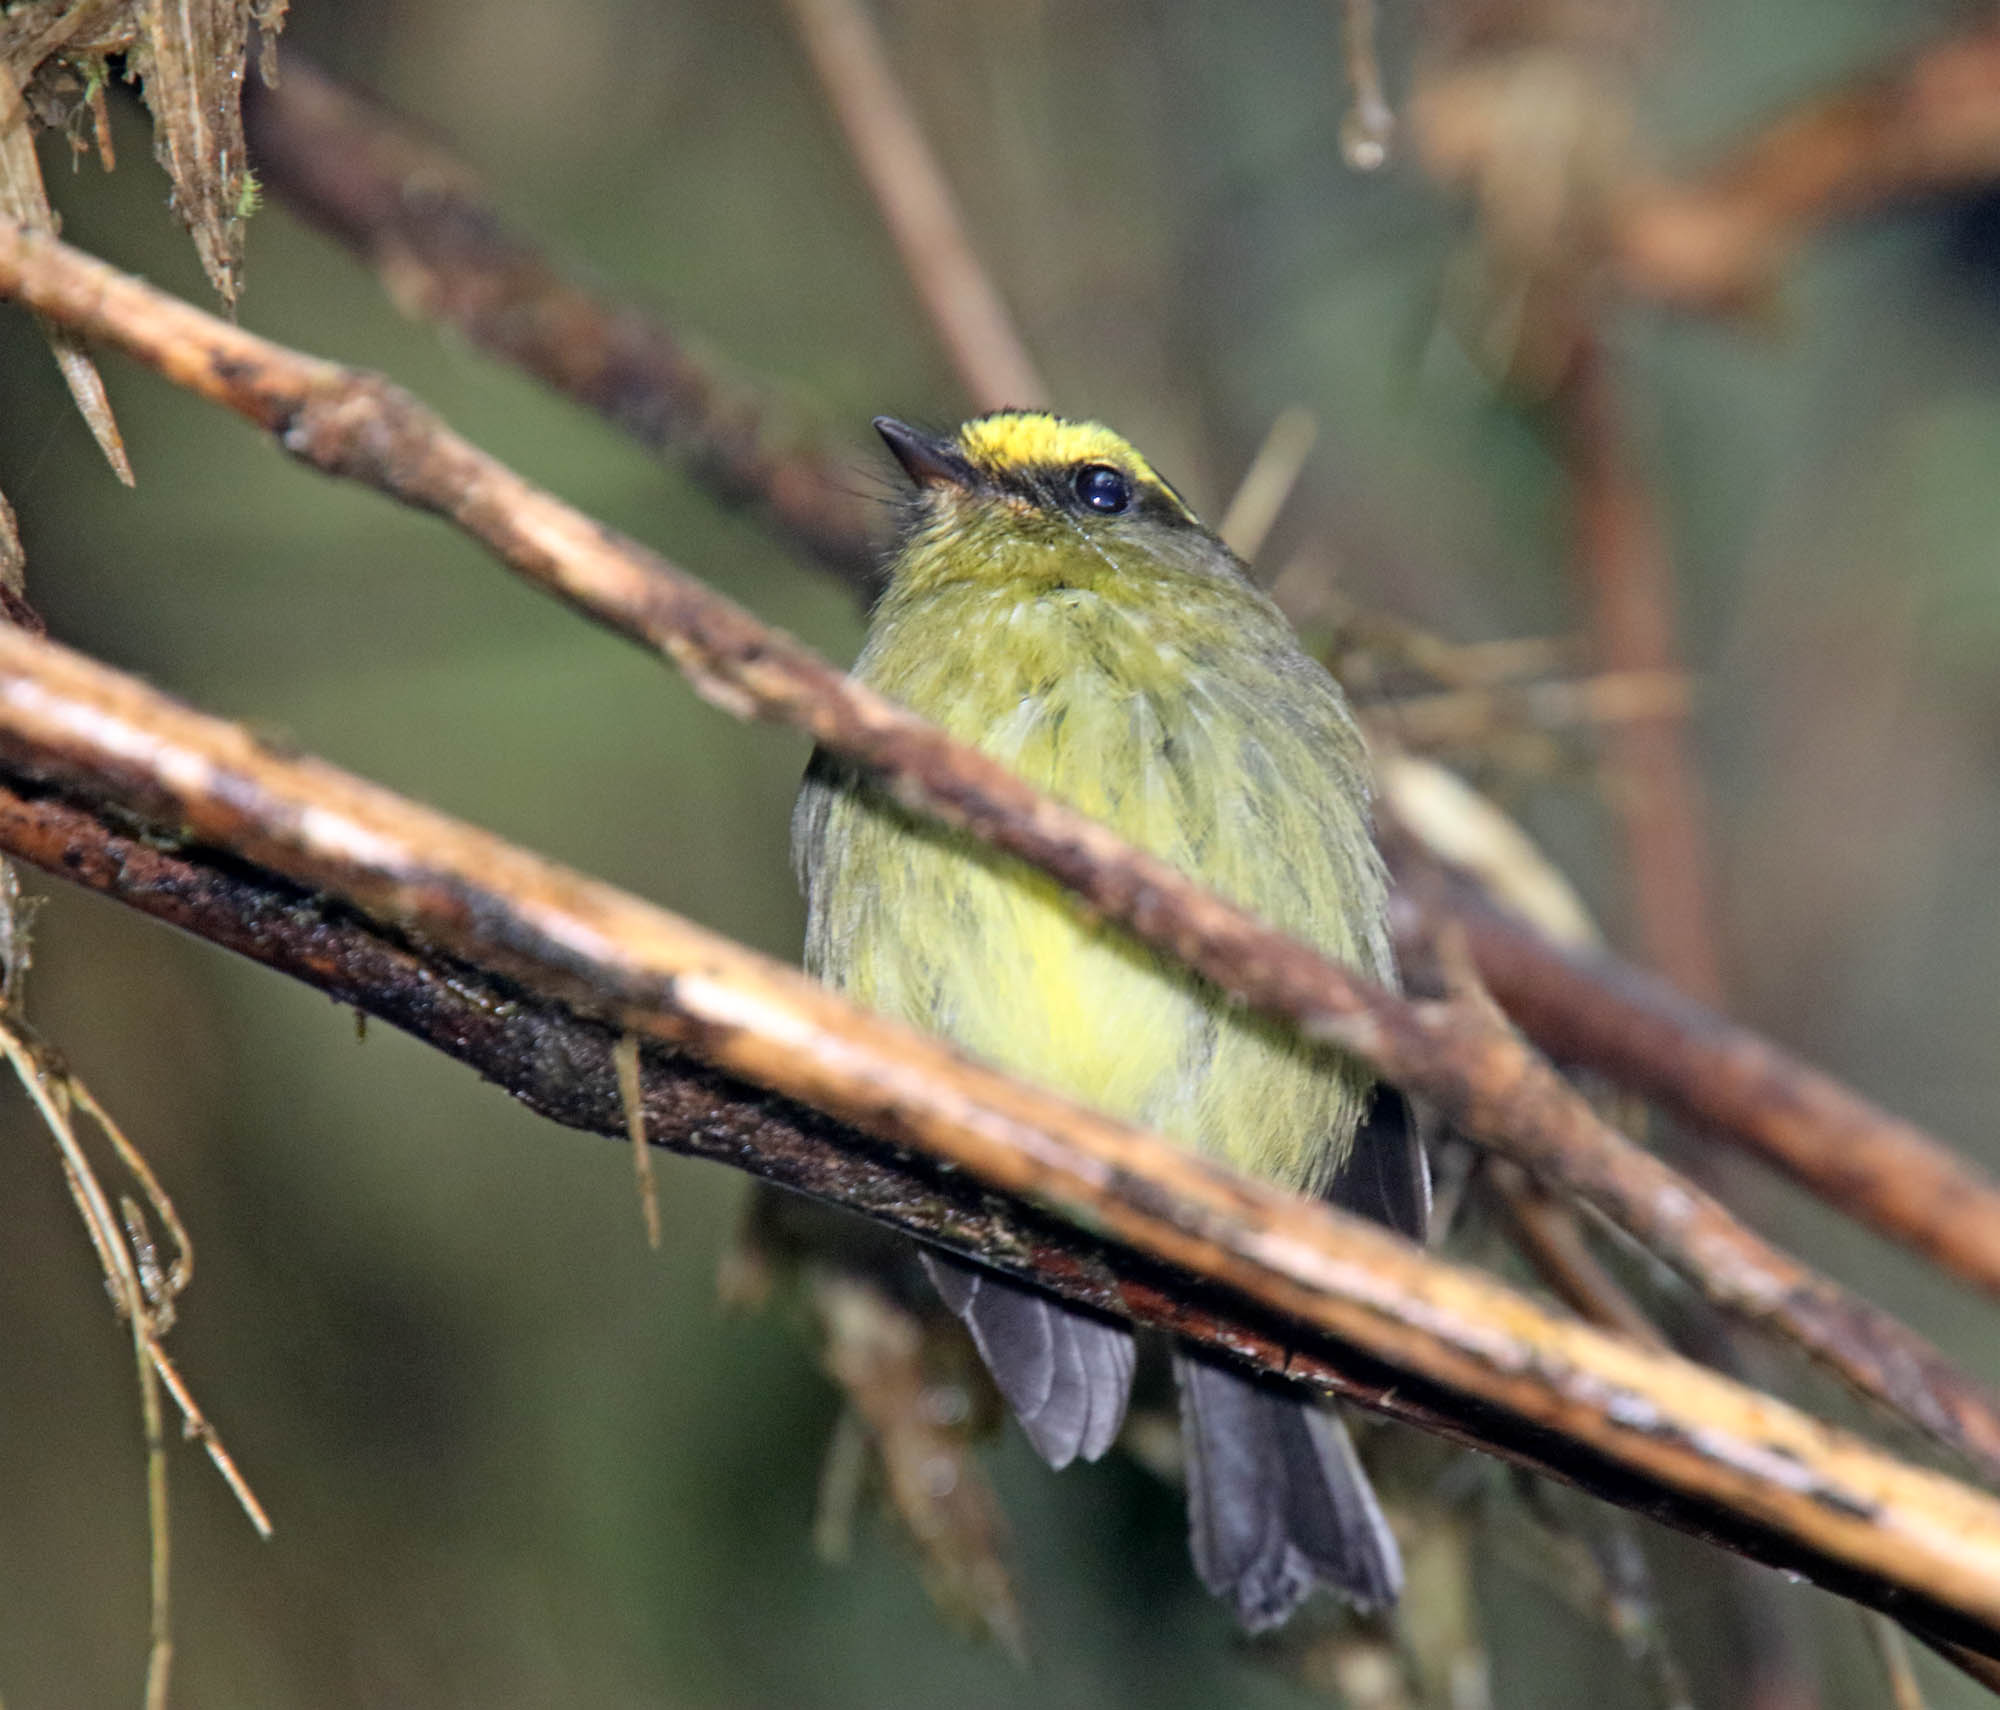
1058, 1000
950, 937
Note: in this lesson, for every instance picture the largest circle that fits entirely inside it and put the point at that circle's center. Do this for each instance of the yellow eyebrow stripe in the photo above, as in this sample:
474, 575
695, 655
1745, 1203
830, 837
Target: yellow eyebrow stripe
1022, 440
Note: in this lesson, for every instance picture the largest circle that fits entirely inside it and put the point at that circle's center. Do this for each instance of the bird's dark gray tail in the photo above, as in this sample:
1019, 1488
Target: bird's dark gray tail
1277, 1500
1066, 1374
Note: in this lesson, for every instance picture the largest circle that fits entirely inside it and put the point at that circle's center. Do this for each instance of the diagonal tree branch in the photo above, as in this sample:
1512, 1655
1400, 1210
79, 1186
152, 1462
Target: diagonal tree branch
1591, 1008
1460, 1055
1716, 242
422, 220
531, 972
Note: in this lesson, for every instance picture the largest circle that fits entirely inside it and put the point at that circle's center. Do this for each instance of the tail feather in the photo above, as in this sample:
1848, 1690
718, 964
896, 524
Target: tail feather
1277, 1500
1066, 1374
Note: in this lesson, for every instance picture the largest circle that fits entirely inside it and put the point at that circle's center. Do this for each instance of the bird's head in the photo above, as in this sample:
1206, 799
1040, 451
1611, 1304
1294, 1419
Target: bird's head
1025, 493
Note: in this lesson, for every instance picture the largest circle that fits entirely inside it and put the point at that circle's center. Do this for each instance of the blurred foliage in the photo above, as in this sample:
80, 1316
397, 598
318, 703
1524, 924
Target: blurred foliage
513, 1457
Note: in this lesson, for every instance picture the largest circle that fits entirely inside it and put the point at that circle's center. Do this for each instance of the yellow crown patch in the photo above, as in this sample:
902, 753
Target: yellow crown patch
1034, 440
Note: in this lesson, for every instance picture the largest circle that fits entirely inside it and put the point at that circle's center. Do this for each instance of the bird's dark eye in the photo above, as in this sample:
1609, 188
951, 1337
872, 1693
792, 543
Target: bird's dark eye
1102, 488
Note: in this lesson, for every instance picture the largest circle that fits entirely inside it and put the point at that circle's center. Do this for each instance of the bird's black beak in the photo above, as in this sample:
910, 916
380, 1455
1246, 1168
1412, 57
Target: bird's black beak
928, 461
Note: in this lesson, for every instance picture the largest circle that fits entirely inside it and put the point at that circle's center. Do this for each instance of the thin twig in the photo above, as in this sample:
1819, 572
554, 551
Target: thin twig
1457, 1352
1465, 717
1894, 1655
1545, 1229
195, 1425
917, 205
1624, 564
1627, 578
626, 1057
872, 1346
1268, 482
142, 1292
24, 197
159, 1626
843, 1474
916, 1400
1475, 1069
1372, 638
175, 1279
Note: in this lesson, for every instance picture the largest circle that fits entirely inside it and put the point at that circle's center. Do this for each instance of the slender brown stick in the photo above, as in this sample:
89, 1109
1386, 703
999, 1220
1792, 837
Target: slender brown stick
1464, 718
1274, 471
1466, 1060
1625, 567
422, 220
1893, 1654
1546, 1230
917, 205
1747, 1463
1627, 578
24, 197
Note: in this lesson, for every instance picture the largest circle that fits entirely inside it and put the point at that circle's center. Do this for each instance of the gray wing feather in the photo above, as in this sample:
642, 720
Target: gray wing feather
1277, 1501
1066, 1375
1386, 1176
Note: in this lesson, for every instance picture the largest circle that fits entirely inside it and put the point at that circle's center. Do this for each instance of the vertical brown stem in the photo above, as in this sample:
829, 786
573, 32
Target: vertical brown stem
1626, 577
1626, 574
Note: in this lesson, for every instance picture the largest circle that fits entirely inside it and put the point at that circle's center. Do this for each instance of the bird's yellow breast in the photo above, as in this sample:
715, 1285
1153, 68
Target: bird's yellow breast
1240, 770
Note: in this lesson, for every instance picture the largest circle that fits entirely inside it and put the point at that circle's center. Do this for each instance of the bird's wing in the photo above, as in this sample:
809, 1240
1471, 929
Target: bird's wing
817, 790
1385, 1175
1066, 1374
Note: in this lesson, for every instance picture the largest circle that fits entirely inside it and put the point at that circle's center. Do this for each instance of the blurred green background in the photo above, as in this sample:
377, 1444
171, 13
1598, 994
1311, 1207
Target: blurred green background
516, 1459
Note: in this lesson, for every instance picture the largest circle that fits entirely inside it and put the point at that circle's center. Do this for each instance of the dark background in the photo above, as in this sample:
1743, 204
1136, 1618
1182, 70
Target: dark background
515, 1459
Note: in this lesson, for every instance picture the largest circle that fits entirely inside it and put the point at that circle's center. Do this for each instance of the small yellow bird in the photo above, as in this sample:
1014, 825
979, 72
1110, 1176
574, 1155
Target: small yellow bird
1053, 602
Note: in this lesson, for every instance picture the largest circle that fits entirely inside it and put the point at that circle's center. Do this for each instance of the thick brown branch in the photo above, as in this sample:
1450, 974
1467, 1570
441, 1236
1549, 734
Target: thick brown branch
1302, 1290
1718, 241
1477, 1070
422, 220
